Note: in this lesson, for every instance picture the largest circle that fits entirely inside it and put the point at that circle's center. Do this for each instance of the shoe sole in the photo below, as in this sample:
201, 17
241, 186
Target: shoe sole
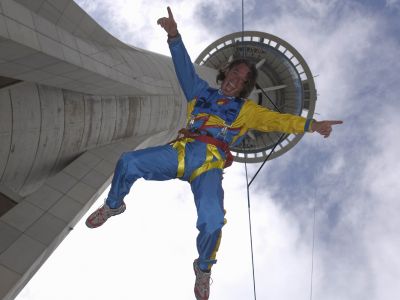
91, 225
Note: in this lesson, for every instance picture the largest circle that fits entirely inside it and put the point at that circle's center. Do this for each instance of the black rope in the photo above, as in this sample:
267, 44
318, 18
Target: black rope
243, 52
268, 97
249, 210
247, 182
251, 233
266, 159
242, 21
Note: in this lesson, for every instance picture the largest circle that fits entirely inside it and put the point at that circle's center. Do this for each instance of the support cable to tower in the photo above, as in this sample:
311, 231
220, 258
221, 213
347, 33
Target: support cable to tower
248, 183
266, 47
249, 209
312, 253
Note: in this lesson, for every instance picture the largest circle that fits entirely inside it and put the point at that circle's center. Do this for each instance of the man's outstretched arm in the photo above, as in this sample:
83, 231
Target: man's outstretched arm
189, 81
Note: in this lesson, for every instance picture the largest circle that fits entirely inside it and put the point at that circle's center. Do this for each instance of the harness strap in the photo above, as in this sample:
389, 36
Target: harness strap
185, 133
219, 144
179, 145
206, 167
185, 136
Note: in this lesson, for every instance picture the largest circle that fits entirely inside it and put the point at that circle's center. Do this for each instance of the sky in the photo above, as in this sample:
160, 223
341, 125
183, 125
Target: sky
349, 180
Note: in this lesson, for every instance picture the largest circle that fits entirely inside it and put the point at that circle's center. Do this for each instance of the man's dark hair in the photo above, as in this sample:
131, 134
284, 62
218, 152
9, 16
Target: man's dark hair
250, 82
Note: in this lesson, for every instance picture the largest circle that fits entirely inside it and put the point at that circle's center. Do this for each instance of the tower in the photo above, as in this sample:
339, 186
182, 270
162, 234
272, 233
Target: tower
72, 99
284, 84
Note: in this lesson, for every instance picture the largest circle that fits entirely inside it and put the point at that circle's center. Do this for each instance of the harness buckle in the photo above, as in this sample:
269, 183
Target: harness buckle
224, 131
191, 122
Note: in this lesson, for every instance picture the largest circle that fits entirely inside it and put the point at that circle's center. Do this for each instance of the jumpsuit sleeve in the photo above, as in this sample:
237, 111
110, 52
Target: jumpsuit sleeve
189, 81
263, 119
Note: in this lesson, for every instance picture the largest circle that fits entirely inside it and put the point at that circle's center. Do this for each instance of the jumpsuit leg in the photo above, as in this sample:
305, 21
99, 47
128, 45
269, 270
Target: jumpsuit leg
208, 196
155, 163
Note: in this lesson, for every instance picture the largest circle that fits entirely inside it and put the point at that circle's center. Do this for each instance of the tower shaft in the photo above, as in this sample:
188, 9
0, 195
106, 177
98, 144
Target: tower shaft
72, 99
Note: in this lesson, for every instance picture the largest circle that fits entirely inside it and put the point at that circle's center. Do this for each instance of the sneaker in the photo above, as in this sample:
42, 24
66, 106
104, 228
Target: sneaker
100, 215
202, 284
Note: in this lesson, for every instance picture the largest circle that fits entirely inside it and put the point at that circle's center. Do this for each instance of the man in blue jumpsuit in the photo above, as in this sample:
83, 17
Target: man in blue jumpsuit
217, 119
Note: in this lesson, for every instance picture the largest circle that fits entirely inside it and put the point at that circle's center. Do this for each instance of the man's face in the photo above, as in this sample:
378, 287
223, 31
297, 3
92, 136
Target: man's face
235, 80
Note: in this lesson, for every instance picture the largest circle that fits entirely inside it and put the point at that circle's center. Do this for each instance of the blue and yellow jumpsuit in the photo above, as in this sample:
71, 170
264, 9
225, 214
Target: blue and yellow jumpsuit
211, 115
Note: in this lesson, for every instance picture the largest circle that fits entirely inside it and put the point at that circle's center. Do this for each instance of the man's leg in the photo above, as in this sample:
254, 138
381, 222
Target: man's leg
208, 195
155, 163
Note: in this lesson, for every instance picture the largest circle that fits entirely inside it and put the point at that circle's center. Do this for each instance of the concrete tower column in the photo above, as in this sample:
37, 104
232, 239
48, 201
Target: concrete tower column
72, 99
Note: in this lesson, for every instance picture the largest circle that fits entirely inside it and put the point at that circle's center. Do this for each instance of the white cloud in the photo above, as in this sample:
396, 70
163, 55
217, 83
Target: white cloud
381, 231
393, 4
135, 22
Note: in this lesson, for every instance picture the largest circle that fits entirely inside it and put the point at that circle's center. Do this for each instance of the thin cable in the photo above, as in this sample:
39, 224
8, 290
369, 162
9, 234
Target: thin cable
268, 97
251, 234
254, 177
312, 256
249, 212
247, 183
242, 16
244, 54
266, 159
242, 21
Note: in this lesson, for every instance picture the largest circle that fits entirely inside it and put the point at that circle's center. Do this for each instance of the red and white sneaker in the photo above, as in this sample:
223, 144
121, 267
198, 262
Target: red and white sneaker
202, 283
100, 215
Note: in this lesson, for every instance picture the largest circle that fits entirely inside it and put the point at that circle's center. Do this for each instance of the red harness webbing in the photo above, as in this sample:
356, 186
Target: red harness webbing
185, 133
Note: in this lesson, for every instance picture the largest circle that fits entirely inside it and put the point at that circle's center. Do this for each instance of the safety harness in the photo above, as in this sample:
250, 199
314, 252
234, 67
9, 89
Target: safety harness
225, 108
184, 133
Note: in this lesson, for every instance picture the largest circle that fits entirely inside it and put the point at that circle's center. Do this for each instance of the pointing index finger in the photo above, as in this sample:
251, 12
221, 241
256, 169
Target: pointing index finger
335, 122
170, 15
